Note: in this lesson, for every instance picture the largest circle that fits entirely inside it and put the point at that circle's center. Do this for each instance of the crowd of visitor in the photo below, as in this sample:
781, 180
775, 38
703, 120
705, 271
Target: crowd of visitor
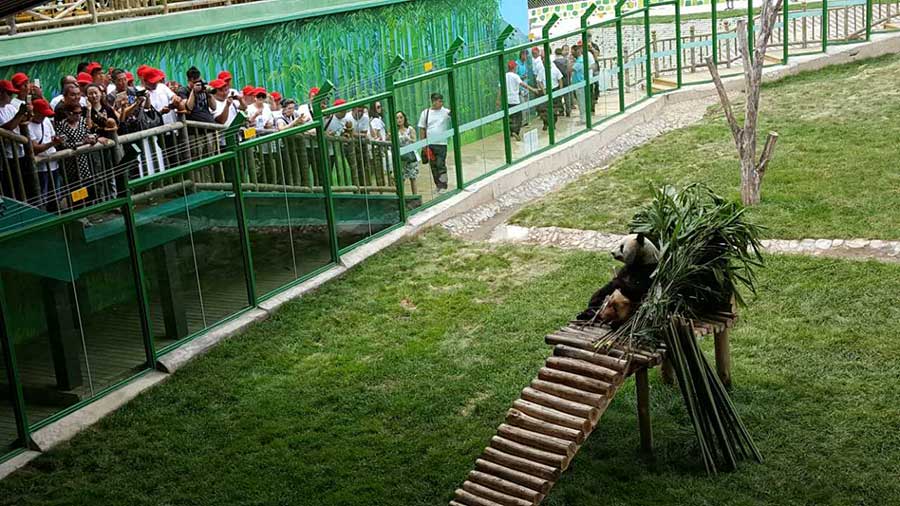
97, 105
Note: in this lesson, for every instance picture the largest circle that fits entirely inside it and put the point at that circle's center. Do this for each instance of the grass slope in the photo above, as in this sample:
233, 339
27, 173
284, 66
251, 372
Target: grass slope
835, 172
371, 392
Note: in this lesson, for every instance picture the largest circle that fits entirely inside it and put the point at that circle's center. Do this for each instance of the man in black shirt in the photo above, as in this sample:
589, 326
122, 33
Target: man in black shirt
196, 98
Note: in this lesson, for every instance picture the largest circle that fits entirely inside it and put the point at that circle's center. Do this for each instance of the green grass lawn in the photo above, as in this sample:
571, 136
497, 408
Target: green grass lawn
836, 172
383, 387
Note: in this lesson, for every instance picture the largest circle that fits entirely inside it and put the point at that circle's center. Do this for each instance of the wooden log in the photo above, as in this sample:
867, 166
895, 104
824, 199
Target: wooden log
527, 452
583, 368
569, 340
517, 418
454, 503
470, 499
585, 411
540, 485
523, 465
616, 364
553, 416
484, 492
722, 346
538, 440
574, 380
505, 486
567, 392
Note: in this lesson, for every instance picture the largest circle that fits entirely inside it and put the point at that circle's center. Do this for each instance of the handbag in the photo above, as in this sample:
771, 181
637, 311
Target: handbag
427, 153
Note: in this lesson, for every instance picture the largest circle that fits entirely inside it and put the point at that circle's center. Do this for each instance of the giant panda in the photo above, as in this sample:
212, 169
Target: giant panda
640, 258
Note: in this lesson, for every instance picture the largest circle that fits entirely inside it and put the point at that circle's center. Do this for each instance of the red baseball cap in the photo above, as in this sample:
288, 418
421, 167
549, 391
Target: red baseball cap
129, 76
339, 101
42, 107
259, 91
7, 86
84, 78
224, 75
313, 91
154, 76
217, 84
246, 90
511, 65
19, 79
142, 69
275, 96
92, 67
535, 50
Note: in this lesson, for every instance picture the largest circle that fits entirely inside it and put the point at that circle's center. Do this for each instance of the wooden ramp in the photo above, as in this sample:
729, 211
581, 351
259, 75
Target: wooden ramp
550, 421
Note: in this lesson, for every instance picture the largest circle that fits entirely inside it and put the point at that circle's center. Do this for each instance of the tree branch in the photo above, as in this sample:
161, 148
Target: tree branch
767, 153
741, 32
726, 103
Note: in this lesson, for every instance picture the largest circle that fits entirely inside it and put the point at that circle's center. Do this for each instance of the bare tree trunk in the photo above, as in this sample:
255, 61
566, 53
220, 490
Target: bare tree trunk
752, 171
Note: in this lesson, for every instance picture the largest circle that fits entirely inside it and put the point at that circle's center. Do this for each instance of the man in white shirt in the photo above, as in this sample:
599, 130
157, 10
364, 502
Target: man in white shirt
360, 121
434, 125
223, 105
514, 85
12, 118
63, 83
540, 77
44, 141
160, 96
305, 110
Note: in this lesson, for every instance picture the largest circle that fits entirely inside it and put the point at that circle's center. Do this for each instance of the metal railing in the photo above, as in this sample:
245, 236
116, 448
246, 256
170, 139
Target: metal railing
222, 224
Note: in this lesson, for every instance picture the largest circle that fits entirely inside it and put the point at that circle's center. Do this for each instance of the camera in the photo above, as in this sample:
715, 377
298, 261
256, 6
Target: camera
140, 93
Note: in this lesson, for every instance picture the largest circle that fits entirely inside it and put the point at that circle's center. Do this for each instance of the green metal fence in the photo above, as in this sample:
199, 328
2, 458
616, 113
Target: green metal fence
85, 309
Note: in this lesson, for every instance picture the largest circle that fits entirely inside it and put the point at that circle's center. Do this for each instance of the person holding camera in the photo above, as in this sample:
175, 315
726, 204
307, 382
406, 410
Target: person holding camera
44, 141
196, 98
17, 165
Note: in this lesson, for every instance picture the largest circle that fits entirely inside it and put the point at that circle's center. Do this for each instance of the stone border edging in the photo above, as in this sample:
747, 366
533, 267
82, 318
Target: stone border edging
487, 190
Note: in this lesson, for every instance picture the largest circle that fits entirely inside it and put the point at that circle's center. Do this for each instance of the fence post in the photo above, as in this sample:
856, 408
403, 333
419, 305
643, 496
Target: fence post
620, 57
12, 372
869, 19
504, 94
399, 180
140, 280
92, 8
785, 36
548, 78
678, 43
330, 216
715, 31
652, 51
726, 25
648, 51
693, 53
237, 178
450, 60
586, 60
824, 26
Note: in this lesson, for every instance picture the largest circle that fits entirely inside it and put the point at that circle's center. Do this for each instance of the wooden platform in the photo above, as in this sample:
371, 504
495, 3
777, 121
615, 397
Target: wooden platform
555, 414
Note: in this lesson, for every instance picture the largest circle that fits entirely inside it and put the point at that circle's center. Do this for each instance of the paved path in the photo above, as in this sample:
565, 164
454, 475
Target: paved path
591, 240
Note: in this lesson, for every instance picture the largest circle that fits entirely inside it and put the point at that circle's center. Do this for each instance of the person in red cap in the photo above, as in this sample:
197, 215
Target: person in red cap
95, 70
26, 89
44, 141
225, 108
305, 110
12, 118
514, 86
275, 105
160, 96
130, 77
227, 77
259, 113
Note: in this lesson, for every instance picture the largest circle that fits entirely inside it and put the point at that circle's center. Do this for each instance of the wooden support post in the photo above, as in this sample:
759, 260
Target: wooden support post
723, 356
92, 8
174, 315
643, 408
667, 372
693, 51
62, 331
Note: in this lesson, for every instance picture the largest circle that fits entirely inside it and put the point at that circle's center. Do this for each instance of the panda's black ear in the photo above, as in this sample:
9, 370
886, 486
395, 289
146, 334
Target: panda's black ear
640, 238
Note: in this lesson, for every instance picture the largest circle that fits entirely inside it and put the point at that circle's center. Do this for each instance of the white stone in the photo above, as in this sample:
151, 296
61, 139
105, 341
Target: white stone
837, 243
876, 244
823, 244
857, 243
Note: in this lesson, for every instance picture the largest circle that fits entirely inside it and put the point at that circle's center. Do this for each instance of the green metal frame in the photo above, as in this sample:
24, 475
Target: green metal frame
232, 159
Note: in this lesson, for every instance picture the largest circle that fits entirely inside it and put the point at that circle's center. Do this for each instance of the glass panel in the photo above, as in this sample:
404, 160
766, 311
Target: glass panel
529, 118
439, 175
604, 74
8, 430
634, 57
480, 118
847, 20
74, 315
363, 184
285, 209
191, 250
570, 94
804, 27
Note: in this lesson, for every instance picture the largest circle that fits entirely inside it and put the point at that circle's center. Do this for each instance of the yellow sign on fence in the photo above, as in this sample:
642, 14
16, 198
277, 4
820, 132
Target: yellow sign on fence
79, 194
249, 133
428, 66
